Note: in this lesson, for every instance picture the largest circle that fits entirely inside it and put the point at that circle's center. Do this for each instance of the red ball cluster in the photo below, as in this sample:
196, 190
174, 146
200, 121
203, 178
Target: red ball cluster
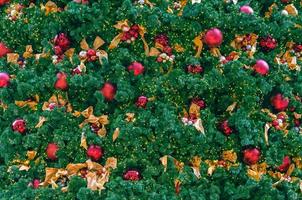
132, 175
3, 2
163, 41
141, 102
268, 43
195, 69
278, 123
225, 128
130, 34
199, 102
61, 44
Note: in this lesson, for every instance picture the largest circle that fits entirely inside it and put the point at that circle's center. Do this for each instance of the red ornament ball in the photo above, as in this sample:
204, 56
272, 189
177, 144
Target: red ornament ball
261, 67
141, 102
251, 156
132, 175
137, 68
268, 43
4, 79
91, 55
19, 125
3, 2
246, 9
61, 82
279, 102
213, 37
3, 48
51, 151
95, 152
36, 183
285, 164
108, 90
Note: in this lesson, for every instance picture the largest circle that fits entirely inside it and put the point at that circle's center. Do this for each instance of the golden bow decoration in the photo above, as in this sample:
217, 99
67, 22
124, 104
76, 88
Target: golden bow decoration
195, 165
178, 164
284, 176
98, 42
25, 164
96, 175
125, 24
100, 121
13, 57
32, 104
241, 41
256, 171
49, 7
229, 159
289, 58
57, 101
194, 111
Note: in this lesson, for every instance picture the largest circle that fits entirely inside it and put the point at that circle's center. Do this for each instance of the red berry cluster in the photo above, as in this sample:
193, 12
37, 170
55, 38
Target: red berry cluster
279, 122
141, 102
130, 34
225, 128
61, 44
268, 43
195, 69
166, 55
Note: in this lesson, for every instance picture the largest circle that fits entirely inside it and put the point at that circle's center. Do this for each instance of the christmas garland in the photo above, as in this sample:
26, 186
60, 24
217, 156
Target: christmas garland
146, 99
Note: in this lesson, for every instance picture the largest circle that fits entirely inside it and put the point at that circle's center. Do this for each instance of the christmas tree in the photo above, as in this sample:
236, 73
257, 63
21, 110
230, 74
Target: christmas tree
150, 99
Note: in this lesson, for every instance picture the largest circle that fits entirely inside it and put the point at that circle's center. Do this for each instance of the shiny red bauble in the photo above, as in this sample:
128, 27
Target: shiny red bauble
108, 90
251, 156
19, 125
261, 67
4, 79
213, 37
95, 152
51, 151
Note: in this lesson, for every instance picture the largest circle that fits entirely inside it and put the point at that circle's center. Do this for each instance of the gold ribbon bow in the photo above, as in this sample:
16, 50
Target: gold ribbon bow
25, 164
32, 104
125, 24
100, 121
96, 175
241, 41
58, 100
49, 7
98, 42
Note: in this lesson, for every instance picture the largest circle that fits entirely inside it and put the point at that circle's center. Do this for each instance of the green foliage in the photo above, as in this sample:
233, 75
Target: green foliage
158, 129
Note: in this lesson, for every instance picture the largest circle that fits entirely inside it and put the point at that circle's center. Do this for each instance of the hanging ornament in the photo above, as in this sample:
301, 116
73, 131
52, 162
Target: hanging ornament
95, 152
261, 67
108, 90
19, 125
51, 151
4, 79
132, 175
251, 155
